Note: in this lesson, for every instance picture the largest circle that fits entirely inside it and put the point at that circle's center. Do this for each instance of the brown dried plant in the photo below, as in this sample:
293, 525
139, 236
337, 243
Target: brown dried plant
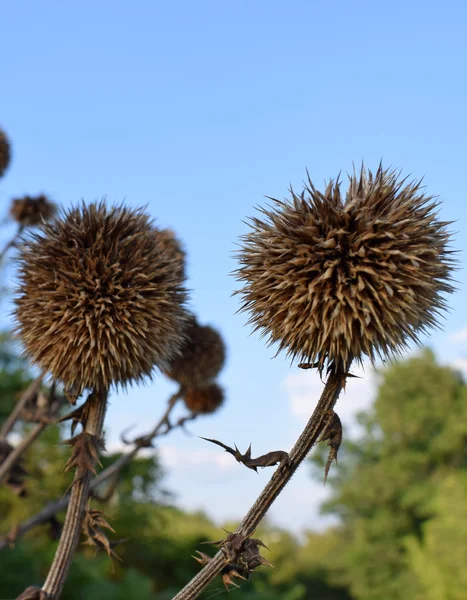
100, 299
5, 152
201, 358
332, 280
174, 249
204, 400
29, 211
100, 303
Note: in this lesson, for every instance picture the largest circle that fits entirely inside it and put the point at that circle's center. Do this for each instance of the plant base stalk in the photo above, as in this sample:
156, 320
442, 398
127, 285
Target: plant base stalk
69, 539
282, 475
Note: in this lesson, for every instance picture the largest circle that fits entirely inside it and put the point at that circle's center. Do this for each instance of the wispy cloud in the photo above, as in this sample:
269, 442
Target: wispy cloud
460, 336
460, 364
188, 458
305, 387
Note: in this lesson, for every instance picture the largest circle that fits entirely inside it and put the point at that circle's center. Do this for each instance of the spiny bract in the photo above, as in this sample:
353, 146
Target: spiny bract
204, 400
29, 211
5, 153
201, 358
332, 279
100, 300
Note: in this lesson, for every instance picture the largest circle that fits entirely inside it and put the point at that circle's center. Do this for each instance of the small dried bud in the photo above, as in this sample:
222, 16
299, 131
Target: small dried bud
100, 301
5, 153
204, 400
29, 211
201, 358
174, 249
332, 279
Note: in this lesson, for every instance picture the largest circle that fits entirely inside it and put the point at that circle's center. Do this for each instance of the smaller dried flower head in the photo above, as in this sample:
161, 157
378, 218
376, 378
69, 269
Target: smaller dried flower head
100, 301
174, 248
204, 400
29, 211
332, 279
201, 358
5, 153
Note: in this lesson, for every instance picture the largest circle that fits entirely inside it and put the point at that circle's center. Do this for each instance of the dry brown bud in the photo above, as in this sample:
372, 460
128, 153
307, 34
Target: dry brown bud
5, 153
29, 211
204, 400
100, 301
330, 279
202, 356
174, 248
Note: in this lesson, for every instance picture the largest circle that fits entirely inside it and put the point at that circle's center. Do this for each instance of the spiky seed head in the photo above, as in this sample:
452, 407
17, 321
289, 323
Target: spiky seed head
29, 211
204, 400
5, 152
174, 248
330, 279
100, 301
201, 358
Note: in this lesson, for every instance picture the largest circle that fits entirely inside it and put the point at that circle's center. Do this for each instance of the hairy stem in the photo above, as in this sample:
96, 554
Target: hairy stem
282, 475
69, 539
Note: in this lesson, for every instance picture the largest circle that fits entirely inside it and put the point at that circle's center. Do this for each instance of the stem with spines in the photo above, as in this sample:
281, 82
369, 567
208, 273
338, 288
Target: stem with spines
308, 438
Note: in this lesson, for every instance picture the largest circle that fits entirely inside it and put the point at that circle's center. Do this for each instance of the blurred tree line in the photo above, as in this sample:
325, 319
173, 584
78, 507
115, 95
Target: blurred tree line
399, 497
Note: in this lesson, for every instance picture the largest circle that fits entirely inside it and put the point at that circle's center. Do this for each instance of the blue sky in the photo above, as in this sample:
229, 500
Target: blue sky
199, 110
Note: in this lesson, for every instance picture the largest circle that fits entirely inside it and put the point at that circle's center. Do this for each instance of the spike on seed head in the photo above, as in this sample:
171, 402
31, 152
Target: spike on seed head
201, 358
5, 153
331, 279
29, 211
204, 400
100, 301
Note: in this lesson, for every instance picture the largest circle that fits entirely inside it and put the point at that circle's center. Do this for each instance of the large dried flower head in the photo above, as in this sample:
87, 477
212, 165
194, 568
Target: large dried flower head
29, 211
201, 358
174, 248
332, 279
99, 301
204, 400
5, 153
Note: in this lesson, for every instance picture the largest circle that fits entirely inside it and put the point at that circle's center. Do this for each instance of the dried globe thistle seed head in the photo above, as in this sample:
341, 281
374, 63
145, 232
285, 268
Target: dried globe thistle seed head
29, 211
201, 357
331, 279
173, 247
204, 400
99, 300
5, 153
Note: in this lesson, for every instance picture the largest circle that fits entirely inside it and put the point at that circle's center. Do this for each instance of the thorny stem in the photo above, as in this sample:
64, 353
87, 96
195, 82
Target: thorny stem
282, 475
15, 454
110, 472
12, 458
26, 396
76, 509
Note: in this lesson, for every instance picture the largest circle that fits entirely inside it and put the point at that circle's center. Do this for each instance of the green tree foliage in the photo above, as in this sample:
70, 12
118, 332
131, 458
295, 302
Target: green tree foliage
158, 538
391, 492
399, 494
